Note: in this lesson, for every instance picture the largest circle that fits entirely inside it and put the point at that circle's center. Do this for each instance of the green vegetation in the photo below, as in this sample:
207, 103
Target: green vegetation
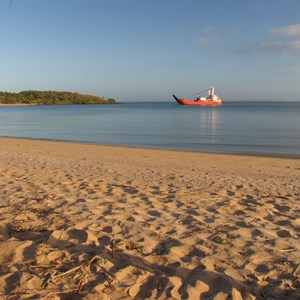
51, 97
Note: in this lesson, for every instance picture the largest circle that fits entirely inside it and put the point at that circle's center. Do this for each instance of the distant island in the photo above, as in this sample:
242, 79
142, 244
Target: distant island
51, 97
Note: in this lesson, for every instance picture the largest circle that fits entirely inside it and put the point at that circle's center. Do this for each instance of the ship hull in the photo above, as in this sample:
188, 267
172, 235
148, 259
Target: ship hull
207, 102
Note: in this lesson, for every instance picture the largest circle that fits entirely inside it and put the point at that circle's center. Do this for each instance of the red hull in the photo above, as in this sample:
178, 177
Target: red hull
197, 102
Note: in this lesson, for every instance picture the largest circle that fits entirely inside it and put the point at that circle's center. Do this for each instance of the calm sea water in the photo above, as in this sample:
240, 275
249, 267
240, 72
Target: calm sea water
264, 128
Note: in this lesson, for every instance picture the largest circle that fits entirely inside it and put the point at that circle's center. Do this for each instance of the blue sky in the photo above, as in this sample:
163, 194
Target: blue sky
147, 50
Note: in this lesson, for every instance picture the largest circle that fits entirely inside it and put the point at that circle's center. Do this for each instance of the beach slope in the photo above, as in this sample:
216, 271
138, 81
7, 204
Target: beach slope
95, 222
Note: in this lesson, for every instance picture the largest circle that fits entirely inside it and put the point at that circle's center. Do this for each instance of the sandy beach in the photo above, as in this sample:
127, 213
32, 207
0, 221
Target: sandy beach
95, 222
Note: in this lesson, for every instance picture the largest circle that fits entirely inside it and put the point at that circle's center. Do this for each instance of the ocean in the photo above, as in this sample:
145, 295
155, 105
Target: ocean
255, 128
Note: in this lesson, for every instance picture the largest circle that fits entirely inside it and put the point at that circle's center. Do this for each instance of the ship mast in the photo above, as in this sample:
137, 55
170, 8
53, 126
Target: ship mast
211, 91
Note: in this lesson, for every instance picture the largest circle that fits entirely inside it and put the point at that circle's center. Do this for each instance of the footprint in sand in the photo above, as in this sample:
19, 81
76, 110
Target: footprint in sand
15, 251
154, 213
256, 233
67, 238
283, 233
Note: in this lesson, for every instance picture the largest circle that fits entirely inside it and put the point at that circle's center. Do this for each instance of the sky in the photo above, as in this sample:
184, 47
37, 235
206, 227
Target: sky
147, 50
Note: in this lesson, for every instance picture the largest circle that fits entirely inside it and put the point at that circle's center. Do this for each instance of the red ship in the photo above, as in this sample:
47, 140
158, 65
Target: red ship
211, 100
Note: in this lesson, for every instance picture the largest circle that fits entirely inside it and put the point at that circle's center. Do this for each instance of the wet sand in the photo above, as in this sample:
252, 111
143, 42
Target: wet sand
94, 222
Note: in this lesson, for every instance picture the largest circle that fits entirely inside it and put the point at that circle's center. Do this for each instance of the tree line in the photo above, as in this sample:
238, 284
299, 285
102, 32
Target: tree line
51, 97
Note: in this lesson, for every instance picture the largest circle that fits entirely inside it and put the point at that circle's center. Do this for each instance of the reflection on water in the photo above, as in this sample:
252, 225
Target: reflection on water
201, 123
210, 121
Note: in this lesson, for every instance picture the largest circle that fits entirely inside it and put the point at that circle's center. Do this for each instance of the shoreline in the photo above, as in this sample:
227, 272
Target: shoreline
100, 222
284, 156
57, 104
18, 104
